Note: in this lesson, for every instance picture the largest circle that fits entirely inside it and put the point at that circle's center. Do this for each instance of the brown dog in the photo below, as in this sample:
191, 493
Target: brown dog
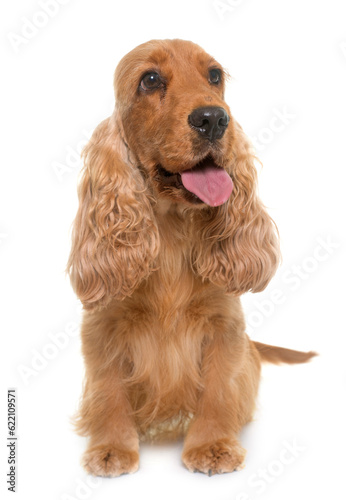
168, 234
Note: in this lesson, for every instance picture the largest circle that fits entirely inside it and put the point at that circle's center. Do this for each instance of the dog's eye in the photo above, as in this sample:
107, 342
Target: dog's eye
151, 81
214, 76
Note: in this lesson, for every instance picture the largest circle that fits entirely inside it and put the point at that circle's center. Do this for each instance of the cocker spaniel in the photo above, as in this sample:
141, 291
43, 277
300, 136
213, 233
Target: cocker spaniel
169, 233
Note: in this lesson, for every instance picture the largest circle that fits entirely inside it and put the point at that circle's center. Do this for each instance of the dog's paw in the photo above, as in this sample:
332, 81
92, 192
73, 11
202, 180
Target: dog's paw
215, 458
110, 461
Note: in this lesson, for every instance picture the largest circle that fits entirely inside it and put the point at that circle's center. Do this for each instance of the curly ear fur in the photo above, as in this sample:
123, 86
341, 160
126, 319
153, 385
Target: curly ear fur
237, 246
115, 236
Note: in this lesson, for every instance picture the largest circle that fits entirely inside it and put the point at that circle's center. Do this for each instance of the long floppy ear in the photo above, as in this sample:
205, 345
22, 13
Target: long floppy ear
115, 236
237, 245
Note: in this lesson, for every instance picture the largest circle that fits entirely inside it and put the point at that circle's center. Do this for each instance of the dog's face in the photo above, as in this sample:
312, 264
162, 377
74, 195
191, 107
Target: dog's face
170, 103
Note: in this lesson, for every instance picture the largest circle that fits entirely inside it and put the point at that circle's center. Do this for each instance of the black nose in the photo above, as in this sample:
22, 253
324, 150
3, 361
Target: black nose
210, 121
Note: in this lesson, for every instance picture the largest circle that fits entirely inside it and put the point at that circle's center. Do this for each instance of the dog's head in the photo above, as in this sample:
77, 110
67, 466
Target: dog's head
171, 136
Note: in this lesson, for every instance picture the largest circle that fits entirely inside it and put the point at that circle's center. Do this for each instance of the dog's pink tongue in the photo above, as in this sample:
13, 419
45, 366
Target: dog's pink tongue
211, 184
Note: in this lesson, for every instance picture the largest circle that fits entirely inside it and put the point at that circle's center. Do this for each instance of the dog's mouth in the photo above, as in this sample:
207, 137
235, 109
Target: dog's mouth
206, 182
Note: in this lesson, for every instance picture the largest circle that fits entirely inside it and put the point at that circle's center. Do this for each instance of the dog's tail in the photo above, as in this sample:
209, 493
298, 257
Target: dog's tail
278, 355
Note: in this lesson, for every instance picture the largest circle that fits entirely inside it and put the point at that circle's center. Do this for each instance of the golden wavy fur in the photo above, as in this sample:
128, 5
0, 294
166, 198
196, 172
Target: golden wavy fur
159, 272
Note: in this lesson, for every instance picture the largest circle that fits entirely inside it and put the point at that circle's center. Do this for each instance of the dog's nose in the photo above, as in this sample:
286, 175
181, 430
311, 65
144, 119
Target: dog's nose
210, 121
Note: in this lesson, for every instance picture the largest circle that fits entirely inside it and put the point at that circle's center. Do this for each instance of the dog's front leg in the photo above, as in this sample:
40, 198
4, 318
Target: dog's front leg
230, 380
106, 417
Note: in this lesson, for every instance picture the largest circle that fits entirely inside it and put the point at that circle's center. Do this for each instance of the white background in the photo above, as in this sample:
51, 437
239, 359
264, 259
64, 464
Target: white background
284, 57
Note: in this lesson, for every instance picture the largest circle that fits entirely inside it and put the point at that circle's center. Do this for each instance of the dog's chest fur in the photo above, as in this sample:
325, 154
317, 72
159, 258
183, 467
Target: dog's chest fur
163, 329
173, 315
